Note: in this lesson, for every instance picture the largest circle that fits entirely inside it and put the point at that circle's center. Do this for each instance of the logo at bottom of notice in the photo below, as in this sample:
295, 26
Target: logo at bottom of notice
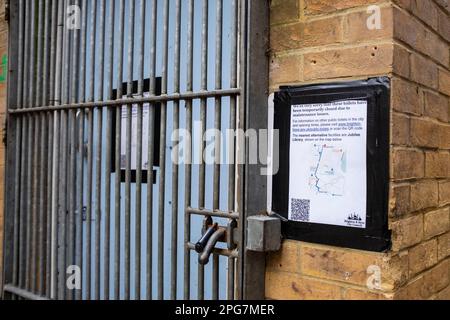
355, 220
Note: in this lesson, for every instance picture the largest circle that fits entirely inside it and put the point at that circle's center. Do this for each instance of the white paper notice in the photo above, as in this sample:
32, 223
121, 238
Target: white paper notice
328, 164
134, 140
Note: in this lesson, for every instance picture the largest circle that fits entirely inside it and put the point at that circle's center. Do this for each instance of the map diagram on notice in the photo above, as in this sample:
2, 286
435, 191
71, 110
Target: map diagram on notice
328, 164
328, 170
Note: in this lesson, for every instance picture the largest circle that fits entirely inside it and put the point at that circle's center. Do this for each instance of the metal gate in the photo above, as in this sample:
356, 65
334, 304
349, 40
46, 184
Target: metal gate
109, 187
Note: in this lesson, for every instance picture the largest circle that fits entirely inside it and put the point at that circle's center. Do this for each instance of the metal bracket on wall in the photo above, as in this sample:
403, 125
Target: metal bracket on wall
264, 233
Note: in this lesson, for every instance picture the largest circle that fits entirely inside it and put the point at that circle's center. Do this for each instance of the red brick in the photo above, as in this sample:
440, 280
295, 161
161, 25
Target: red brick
406, 97
400, 129
437, 278
444, 82
284, 11
401, 64
426, 11
356, 26
424, 195
285, 69
408, 164
407, 232
444, 193
424, 71
422, 257
425, 133
437, 165
436, 106
314, 7
444, 25
400, 200
436, 223
306, 34
291, 286
359, 61
444, 246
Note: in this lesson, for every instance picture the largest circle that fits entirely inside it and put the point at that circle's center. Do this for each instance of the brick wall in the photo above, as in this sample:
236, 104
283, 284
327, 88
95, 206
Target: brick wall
3, 72
328, 40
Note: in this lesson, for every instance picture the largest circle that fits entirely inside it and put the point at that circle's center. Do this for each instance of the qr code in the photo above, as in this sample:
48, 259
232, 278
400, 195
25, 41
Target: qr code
300, 210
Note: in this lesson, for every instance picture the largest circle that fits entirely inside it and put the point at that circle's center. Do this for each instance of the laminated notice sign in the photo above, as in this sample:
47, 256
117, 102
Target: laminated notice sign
147, 164
333, 178
328, 163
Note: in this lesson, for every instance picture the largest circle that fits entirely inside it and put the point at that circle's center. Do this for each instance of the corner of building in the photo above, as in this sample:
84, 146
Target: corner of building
322, 41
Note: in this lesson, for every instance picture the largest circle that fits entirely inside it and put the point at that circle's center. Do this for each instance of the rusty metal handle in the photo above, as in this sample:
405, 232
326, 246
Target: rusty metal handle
219, 234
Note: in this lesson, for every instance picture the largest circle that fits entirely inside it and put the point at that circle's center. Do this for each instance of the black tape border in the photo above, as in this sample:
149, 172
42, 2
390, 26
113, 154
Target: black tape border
376, 237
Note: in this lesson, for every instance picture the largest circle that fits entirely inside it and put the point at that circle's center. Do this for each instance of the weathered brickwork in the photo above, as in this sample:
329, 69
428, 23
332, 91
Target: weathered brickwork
328, 40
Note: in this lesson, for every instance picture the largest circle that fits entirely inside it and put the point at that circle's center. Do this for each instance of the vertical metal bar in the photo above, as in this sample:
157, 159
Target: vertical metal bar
44, 239
217, 139
50, 234
79, 198
54, 233
241, 126
29, 189
175, 166
72, 173
32, 74
40, 54
110, 77
98, 159
137, 283
91, 97
39, 158
48, 266
63, 185
71, 194
34, 204
232, 146
23, 228
40, 155
80, 165
23, 267
188, 157
11, 216
46, 53
128, 151
118, 153
215, 277
151, 155
17, 185
256, 112
203, 117
56, 150
231, 278
162, 159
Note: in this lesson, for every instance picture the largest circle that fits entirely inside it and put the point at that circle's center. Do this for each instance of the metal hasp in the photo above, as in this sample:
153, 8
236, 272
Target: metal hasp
263, 234
211, 235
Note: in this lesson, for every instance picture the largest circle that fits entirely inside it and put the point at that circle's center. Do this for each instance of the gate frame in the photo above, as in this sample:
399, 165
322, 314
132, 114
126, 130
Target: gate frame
11, 148
255, 74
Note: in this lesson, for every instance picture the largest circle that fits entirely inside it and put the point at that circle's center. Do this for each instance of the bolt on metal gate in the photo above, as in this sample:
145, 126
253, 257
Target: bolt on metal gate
109, 102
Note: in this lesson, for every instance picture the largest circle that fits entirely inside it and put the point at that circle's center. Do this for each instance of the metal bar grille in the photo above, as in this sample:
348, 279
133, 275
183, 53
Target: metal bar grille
102, 179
